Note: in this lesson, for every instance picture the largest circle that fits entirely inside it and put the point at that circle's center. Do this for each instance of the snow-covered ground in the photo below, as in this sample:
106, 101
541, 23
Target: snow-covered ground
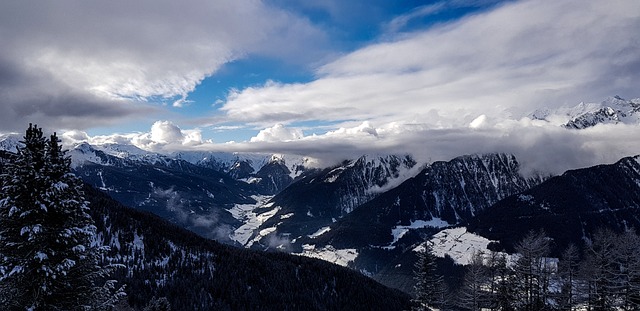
320, 232
250, 219
459, 244
399, 231
329, 253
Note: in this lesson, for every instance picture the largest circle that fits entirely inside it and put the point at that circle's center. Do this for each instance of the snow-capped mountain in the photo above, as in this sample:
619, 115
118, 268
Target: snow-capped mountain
258, 168
320, 197
381, 233
9, 142
442, 194
267, 174
613, 110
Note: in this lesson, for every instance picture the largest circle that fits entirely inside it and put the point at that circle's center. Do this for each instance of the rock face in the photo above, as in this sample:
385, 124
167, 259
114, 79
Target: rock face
320, 197
570, 207
448, 193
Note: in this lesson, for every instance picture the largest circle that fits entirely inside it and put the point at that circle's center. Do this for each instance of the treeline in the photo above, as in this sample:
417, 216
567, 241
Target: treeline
605, 275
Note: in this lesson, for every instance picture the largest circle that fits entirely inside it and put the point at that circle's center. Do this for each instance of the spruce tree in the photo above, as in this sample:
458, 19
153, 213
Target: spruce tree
47, 259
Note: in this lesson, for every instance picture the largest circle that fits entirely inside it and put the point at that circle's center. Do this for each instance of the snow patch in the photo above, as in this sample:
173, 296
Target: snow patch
399, 231
328, 253
246, 213
285, 216
458, 243
320, 232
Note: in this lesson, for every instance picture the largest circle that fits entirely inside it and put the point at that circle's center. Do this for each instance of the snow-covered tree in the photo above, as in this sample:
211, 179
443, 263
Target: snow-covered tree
47, 259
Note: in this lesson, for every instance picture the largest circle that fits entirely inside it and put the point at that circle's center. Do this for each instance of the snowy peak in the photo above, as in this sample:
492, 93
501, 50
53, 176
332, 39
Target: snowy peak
613, 110
9, 142
114, 155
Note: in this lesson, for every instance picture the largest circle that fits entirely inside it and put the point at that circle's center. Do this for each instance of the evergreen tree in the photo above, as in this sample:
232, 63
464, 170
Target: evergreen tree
158, 304
47, 258
428, 282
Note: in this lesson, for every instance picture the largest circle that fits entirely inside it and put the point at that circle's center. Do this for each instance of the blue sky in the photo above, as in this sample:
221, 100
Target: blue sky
328, 79
350, 25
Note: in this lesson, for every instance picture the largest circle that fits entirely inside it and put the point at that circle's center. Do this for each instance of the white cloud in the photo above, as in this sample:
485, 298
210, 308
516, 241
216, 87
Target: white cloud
165, 132
278, 133
163, 136
508, 61
364, 128
86, 63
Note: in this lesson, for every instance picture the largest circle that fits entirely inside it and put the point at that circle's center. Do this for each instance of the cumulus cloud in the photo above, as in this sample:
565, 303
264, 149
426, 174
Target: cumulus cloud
278, 133
77, 64
165, 132
163, 136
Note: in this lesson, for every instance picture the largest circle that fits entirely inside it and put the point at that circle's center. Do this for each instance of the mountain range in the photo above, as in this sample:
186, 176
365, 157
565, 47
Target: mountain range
370, 213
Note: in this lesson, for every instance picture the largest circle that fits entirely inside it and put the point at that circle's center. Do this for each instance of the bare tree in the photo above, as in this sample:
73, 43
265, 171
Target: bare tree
473, 294
627, 273
568, 271
599, 271
533, 270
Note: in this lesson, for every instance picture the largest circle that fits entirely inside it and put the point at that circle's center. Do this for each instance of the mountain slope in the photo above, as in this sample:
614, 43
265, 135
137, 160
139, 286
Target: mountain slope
199, 274
320, 197
570, 207
442, 194
191, 196
382, 233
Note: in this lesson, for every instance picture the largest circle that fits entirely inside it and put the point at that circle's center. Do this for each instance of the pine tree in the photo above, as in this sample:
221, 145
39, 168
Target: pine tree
47, 258
428, 282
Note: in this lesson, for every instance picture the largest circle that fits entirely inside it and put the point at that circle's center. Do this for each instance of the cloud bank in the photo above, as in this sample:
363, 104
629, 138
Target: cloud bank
508, 61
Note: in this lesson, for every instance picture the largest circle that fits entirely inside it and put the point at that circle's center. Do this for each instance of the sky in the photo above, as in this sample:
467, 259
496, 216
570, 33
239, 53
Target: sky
329, 79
